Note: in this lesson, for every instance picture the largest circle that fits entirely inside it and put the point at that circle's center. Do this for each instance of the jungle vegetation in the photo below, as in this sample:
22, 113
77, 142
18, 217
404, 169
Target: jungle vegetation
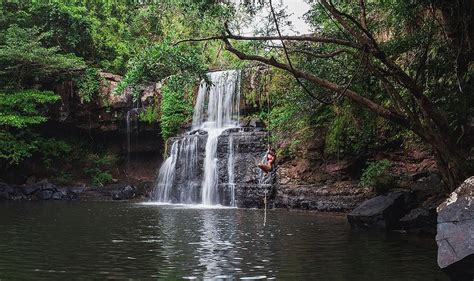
372, 72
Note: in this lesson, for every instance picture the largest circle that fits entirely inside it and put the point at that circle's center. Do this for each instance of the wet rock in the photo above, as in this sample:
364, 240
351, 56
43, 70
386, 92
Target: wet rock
16, 194
69, 195
244, 123
383, 211
58, 195
45, 194
253, 195
329, 198
145, 188
30, 190
422, 219
256, 123
126, 193
455, 235
419, 220
5, 190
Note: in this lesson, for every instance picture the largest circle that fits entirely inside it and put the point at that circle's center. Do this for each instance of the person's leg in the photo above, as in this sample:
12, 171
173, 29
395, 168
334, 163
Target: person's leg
264, 167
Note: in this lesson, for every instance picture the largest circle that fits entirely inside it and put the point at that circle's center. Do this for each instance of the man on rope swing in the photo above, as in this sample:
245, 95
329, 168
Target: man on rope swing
271, 158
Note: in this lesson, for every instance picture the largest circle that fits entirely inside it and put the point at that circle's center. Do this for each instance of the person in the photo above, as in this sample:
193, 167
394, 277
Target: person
271, 157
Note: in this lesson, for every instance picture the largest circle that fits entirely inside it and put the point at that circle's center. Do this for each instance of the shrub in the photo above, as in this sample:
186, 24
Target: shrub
377, 176
89, 85
149, 115
176, 105
98, 171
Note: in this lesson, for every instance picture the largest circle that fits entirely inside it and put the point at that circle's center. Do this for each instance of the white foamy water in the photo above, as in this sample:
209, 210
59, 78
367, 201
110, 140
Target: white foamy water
216, 109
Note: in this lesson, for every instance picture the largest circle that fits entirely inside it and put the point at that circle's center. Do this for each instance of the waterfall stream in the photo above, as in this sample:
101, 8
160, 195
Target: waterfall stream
216, 110
129, 122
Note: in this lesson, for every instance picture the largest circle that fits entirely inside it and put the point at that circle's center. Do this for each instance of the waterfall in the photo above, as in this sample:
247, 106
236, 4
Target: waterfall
166, 174
189, 152
129, 124
230, 171
216, 110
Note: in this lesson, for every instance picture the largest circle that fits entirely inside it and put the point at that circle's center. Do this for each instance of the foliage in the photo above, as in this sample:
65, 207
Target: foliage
149, 115
161, 61
63, 177
176, 104
98, 171
17, 145
52, 149
89, 84
19, 109
352, 130
24, 59
14, 148
377, 176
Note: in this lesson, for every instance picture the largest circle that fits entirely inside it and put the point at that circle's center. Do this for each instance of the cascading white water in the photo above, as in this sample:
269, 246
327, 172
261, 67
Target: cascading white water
189, 152
230, 171
216, 109
129, 120
222, 113
166, 175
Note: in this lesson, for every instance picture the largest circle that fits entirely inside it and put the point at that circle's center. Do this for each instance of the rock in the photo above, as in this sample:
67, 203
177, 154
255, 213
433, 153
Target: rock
5, 190
30, 180
340, 197
29, 190
419, 220
17, 194
69, 195
45, 194
57, 195
244, 123
256, 123
252, 195
455, 237
128, 192
145, 188
383, 211
422, 219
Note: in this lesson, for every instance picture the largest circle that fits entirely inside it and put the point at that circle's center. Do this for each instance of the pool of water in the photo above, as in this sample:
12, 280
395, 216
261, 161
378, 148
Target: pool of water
58, 240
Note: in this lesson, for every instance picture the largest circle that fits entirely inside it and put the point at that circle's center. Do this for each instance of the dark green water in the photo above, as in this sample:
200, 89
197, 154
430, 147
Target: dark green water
56, 240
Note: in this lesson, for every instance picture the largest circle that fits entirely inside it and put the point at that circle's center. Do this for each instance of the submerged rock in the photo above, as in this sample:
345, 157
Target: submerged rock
455, 237
383, 211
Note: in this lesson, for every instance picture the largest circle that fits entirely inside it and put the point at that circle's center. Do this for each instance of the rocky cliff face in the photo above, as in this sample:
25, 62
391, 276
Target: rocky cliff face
106, 112
248, 146
112, 121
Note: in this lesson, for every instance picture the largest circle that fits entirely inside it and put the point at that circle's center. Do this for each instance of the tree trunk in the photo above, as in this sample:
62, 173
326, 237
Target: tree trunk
451, 161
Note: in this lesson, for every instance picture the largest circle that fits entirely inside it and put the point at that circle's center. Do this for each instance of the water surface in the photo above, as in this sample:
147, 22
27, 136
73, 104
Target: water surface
59, 240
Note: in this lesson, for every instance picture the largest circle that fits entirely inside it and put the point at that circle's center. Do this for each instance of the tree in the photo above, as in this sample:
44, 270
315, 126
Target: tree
25, 61
411, 67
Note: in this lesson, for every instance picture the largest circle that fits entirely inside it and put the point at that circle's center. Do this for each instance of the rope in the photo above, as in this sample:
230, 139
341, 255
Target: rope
265, 208
268, 118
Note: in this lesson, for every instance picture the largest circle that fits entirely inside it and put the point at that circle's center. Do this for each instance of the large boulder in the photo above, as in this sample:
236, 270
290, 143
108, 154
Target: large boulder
5, 191
422, 219
125, 193
455, 237
383, 211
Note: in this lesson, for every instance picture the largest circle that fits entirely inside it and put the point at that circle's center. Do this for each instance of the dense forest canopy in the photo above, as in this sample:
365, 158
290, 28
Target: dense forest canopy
373, 72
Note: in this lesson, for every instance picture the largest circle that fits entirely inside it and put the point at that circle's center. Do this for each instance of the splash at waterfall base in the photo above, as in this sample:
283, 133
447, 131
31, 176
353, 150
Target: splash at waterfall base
215, 163
249, 144
208, 163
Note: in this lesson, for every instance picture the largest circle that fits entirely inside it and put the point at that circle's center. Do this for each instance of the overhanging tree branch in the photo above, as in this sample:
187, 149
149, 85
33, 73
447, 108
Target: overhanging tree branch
304, 38
374, 107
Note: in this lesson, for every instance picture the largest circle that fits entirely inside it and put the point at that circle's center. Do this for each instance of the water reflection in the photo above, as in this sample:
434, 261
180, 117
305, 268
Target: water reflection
119, 241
